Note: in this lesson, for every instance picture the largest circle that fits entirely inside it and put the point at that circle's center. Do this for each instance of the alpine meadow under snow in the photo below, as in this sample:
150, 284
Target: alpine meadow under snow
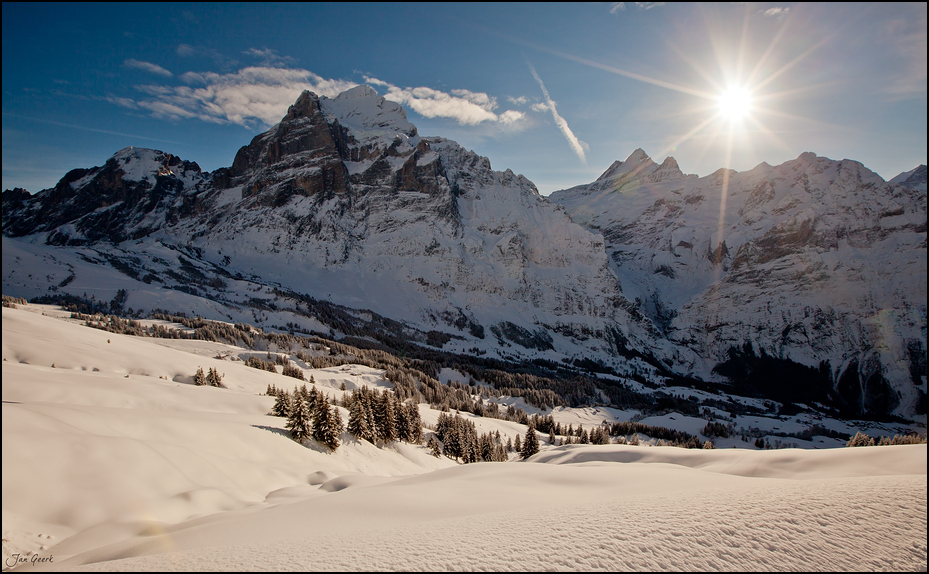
115, 460
292, 362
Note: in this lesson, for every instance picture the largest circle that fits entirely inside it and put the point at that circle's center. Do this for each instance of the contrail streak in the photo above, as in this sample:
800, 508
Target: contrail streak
560, 121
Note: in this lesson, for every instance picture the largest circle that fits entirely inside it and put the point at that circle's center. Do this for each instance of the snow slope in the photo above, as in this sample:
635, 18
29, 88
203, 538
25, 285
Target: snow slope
113, 460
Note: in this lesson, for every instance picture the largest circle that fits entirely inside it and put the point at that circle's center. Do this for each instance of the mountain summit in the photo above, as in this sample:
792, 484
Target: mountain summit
639, 167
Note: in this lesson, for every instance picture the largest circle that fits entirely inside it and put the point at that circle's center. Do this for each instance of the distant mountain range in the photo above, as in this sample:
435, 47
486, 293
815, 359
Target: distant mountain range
805, 282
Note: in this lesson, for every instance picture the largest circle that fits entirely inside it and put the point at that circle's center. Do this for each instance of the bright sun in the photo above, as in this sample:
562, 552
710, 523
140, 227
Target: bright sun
735, 103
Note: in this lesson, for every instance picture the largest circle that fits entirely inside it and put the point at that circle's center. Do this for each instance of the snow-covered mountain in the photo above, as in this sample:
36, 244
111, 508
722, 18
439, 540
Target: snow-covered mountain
803, 283
343, 201
814, 261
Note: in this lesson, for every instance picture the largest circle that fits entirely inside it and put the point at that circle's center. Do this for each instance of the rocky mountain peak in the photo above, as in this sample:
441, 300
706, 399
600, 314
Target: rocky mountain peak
913, 179
372, 119
640, 165
306, 106
637, 162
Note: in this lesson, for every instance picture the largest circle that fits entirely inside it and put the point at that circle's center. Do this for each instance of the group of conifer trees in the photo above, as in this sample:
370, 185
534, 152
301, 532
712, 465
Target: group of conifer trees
457, 438
861, 439
379, 415
308, 414
212, 378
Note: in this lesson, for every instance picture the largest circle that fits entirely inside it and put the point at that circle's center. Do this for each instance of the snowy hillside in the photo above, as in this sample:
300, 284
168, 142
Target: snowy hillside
114, 460
812, 261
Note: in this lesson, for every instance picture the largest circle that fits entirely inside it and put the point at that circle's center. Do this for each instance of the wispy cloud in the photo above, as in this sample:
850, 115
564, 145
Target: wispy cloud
907, 40
464, 106
621, 6
576, 145
269, 57
220, 59
147, 67
94, 130
776, 12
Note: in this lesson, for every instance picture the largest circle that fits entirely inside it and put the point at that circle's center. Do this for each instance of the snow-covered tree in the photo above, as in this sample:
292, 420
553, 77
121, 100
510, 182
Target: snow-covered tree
199, 377
282, 404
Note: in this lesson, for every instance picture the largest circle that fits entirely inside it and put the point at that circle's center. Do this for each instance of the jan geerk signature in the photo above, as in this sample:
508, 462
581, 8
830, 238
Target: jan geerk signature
17, 559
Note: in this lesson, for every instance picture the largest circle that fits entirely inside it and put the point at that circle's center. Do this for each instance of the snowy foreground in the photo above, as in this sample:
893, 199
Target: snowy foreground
113, 460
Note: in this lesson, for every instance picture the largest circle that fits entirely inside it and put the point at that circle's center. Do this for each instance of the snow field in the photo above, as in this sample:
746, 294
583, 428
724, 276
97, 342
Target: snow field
108, 472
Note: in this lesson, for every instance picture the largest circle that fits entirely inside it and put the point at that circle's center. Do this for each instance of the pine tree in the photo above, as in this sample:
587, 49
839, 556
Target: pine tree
199, 377
299, 420
214, 378
531, 445
414, 424
434, 446
385, 417
452, 439
368, 399
282, 404
328, 426
403, 427
358, 422
486, 445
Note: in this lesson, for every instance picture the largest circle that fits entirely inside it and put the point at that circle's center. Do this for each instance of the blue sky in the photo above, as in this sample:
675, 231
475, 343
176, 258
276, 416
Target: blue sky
556, 92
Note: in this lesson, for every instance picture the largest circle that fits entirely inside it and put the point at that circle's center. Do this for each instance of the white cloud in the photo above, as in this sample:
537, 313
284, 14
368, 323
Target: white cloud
254, 94
617, 7
263, 94
577, 146
464, 106
148, 67
521, 100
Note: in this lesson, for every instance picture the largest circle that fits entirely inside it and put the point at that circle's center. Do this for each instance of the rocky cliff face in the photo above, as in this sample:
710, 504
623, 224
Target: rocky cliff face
815, 262
134, 193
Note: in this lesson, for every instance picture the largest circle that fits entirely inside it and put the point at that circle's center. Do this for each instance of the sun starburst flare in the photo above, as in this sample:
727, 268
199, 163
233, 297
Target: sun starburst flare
735, 103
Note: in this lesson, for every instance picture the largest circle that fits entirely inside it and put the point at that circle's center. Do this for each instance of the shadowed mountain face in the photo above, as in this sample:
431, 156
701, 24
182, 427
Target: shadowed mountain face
343, 215
817, 262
